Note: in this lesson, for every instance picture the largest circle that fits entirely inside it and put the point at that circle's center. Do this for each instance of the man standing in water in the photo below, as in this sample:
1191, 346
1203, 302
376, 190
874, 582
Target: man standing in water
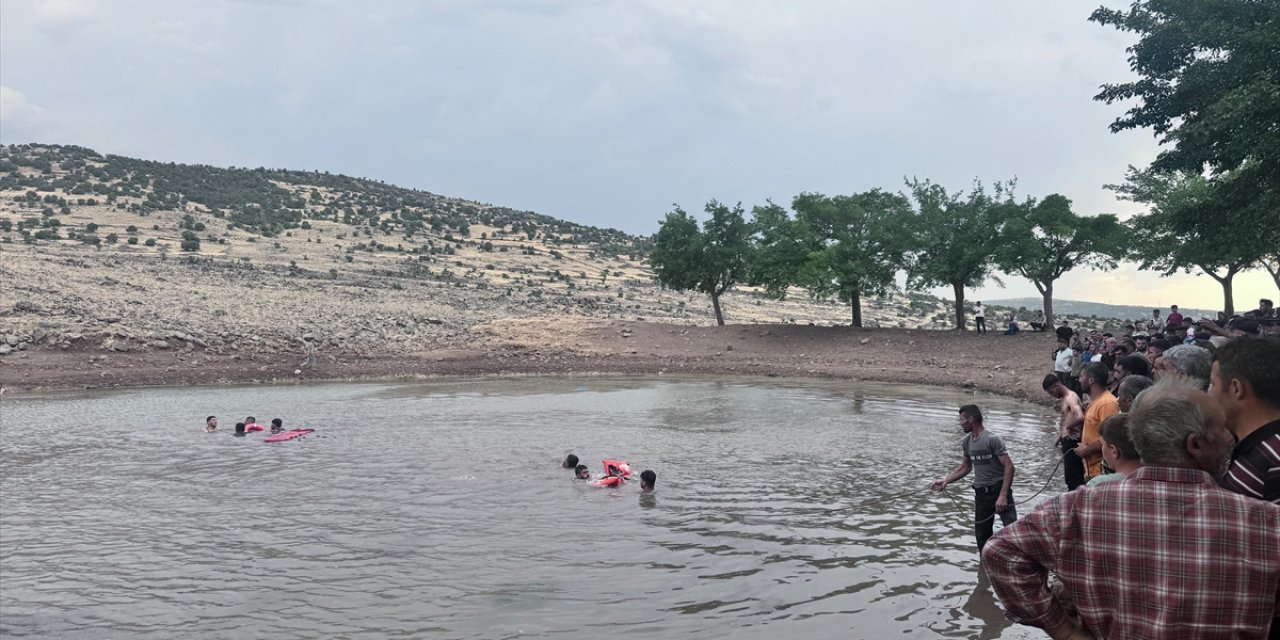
210, 424
1069, 428
986, 456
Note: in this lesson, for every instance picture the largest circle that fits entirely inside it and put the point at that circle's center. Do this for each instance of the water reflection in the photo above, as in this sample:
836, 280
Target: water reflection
440, 509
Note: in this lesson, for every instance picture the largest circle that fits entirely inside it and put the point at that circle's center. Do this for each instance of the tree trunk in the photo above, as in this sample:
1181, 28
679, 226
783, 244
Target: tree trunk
1273, 267
959, 289
1228, 302
715, 304
1047, 292
855, 301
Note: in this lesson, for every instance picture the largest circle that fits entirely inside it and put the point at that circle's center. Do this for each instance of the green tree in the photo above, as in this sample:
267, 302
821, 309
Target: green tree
953, 238
711, 260
1209, 84
1184, 228
1043, 240
847, 246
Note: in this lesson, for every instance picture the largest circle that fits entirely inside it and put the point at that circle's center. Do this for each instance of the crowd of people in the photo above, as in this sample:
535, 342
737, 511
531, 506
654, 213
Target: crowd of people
1170, 525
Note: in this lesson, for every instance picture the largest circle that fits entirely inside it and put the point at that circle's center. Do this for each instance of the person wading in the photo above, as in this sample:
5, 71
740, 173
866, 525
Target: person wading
984, 454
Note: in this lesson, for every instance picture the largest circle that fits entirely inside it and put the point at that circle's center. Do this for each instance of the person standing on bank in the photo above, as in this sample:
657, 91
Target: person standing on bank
984, 454
980, 318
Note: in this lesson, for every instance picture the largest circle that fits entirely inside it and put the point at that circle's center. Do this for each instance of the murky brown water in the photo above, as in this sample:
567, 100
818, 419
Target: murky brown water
439, 510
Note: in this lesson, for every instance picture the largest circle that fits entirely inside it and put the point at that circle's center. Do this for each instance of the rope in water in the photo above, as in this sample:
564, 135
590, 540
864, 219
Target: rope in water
959, 508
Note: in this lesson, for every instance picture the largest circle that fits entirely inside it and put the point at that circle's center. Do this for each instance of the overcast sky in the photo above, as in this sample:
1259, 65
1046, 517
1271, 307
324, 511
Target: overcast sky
602, 112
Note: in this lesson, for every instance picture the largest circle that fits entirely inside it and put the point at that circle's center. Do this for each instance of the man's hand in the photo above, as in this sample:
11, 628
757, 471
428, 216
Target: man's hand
1080, 451
1002, 503
938, 485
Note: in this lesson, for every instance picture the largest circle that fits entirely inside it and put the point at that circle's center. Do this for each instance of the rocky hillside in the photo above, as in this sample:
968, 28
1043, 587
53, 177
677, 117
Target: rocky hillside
107, 252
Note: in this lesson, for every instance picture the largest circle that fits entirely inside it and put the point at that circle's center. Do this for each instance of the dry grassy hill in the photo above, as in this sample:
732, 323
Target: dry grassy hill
100, 251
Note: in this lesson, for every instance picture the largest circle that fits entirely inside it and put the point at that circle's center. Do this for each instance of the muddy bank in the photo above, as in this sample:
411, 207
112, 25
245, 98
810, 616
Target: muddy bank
1007, 365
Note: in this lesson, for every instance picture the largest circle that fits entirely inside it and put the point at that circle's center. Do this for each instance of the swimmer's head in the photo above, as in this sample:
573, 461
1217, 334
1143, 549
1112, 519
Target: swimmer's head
211, 421
239, 427
582, 472
276, 423
570, 462
647, 479
251, 420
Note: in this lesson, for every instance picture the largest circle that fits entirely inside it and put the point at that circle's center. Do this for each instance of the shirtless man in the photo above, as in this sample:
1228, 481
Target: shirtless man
210, 424
1069, 428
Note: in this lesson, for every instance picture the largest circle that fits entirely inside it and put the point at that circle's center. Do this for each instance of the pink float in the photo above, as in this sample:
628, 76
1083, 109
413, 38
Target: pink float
288, 435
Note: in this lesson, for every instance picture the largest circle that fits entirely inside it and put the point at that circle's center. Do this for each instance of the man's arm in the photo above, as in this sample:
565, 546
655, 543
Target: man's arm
959, 472
1091, 449
1018, 560
1002, 503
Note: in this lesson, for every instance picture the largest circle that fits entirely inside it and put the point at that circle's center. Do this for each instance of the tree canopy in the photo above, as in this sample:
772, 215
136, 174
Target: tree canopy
711, 260
1043, 240
953, 239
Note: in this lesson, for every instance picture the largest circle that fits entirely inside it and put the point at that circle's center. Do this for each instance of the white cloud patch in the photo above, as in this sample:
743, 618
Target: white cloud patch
16, 110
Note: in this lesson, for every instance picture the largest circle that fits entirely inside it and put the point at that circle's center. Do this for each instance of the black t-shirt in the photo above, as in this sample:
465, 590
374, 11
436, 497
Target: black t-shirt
1064, 333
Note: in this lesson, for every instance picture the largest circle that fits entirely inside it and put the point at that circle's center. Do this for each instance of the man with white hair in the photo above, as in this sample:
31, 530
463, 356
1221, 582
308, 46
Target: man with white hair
1166, 553
1196, 363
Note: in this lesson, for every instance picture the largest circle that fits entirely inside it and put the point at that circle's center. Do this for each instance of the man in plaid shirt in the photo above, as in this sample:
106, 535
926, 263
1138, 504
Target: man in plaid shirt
1166, 553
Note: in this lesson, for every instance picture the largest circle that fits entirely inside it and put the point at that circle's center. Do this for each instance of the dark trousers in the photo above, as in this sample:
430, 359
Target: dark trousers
1072, 465
980, 324
984, 511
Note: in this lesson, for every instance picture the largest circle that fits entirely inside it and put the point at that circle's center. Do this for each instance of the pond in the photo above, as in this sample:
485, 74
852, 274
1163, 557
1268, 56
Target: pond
439, 509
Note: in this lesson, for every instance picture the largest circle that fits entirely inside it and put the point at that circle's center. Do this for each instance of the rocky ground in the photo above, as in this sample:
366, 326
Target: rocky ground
1008, 365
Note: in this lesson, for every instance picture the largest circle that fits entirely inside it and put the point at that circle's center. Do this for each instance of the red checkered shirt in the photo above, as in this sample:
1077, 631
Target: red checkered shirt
1165, 553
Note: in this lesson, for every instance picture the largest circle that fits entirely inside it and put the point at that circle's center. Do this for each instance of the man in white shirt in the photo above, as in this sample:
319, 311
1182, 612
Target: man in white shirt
980, 318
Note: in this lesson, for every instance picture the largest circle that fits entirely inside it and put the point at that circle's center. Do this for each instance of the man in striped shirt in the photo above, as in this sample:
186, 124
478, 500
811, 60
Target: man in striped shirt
1166, 553
1246, 381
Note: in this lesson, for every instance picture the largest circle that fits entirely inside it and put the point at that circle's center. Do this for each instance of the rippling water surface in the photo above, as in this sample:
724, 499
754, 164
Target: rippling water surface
784, 510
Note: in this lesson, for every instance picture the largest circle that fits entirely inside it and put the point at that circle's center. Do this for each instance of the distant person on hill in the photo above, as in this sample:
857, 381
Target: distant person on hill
239, 430
1013, 326
985, 455
210, 424
581, 472
1069, 428
1175, 318
570, 462
1155, 324
1064, 332
980, 318
1037, 321
1062, 362
1117, 449
647, 480
277, 425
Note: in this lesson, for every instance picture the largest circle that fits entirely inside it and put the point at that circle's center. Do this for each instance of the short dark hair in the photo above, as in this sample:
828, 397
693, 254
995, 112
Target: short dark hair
579, 469
971, 411
1160, 343
648, 478
570, 462
1253, 360
1115, 430
209, 418
1049, 381
277, 422
1097, 371
251, 419
1135, 365
1135, 384
239, 427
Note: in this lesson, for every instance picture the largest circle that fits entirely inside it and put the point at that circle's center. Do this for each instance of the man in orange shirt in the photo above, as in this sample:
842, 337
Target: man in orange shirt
1102, 405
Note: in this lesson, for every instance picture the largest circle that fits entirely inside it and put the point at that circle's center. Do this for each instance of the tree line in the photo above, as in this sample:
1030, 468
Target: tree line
852, 246
1207, 86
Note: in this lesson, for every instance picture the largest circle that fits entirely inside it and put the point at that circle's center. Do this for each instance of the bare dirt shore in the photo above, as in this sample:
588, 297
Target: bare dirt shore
1007, 365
